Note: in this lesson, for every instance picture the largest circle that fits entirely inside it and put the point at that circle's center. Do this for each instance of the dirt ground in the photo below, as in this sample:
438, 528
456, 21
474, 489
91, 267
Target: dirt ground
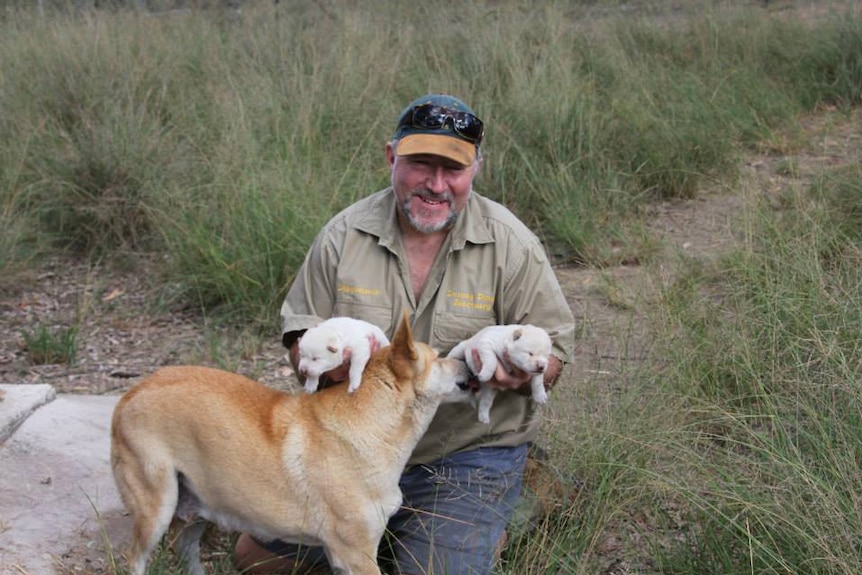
121, 338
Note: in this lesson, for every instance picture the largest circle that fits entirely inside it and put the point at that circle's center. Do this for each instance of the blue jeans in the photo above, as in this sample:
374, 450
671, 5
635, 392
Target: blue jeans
454, 513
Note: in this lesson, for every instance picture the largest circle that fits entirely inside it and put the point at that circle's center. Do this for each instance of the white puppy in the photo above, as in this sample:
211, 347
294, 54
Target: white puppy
331, 342
526, 347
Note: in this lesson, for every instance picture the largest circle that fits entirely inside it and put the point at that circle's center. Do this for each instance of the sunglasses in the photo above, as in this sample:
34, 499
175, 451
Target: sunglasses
433, 117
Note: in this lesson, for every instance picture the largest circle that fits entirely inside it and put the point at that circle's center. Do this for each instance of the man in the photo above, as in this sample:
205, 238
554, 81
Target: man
457, 262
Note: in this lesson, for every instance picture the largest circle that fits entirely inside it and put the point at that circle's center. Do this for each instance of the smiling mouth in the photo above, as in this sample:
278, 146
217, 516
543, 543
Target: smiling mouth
433, 201
429, 213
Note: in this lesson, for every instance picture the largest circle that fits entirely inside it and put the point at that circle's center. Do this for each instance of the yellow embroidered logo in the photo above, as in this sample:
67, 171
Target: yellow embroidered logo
478, 301
357, 290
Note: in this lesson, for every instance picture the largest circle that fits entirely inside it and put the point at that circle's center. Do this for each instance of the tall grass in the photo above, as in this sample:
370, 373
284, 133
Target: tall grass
767, 355
735, 447
183, 134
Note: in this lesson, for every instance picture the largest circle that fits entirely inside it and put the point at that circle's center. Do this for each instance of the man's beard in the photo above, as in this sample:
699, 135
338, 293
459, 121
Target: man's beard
428, 227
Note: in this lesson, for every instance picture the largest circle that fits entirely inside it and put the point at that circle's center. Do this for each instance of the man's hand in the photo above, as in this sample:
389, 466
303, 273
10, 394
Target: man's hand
338, 374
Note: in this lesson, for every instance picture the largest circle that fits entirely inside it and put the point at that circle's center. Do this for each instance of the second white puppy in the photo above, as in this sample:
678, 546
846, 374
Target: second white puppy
328, 344
526, 347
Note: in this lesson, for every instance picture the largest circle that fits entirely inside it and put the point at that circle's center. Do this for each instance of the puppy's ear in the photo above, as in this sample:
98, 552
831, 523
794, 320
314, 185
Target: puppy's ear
516, 335
402, 341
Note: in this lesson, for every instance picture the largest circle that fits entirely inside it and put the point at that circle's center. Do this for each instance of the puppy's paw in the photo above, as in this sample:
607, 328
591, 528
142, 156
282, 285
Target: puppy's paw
540, 396
484, 417
310, 385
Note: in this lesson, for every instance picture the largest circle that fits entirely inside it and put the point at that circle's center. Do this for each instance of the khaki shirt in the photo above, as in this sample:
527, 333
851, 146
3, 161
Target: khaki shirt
492, 270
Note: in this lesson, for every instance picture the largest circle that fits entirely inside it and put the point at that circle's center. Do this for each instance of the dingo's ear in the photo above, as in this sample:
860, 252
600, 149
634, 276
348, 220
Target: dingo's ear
402, 341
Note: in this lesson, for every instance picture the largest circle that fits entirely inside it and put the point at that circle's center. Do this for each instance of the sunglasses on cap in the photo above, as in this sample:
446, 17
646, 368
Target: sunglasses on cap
434, 117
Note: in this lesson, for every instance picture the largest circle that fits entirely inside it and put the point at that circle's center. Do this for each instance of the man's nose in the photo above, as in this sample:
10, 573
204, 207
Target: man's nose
437, 180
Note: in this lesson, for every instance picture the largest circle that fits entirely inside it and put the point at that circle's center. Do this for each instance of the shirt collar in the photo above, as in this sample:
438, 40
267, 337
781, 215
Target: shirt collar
381, 221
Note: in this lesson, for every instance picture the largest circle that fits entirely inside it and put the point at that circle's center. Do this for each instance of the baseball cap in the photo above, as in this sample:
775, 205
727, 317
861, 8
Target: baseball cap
442, 125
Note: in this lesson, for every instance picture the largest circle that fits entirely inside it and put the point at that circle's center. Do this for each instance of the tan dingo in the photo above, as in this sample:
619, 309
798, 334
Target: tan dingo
319, 469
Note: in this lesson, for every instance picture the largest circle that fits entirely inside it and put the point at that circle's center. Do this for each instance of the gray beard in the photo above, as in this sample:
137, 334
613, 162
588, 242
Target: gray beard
428, 228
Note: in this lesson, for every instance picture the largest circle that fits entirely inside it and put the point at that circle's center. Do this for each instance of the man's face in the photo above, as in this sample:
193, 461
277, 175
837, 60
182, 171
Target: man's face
431, 190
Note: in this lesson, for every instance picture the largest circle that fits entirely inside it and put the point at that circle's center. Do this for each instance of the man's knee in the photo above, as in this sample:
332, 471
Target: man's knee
456, 511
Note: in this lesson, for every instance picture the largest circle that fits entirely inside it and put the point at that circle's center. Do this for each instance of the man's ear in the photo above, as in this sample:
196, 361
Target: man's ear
390, 153
477, 165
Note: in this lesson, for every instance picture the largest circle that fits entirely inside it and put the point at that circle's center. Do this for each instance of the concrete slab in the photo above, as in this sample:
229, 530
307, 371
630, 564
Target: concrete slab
19, 401
56, 488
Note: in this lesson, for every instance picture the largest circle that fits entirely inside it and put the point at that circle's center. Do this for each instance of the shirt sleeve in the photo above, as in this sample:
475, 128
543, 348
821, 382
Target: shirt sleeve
311, 297
534, 296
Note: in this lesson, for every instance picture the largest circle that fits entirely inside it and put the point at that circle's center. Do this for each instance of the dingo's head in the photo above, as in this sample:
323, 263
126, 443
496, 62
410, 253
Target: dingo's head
418, 366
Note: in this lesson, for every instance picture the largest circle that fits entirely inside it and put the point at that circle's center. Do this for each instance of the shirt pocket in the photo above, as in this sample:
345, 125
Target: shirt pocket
378, 315
451, 328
